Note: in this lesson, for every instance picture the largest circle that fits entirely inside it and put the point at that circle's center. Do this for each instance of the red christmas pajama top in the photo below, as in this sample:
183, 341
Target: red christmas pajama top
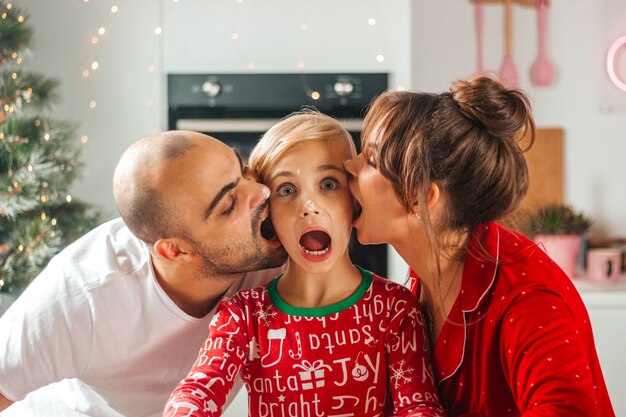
341, 360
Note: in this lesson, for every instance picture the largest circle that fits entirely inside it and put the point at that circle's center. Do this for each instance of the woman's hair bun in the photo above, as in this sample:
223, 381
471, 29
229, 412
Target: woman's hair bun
484, 100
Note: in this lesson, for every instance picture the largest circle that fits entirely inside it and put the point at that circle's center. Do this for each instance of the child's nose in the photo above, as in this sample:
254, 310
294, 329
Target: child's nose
309, 209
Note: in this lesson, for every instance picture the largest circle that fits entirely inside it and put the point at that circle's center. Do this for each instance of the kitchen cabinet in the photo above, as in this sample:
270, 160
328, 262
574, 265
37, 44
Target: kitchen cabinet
606, 304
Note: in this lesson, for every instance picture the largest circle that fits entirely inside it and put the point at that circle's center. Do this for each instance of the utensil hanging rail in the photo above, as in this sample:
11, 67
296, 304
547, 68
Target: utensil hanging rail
527, 3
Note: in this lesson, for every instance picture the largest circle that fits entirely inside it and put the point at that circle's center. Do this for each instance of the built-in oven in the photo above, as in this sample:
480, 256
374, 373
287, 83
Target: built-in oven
239, 108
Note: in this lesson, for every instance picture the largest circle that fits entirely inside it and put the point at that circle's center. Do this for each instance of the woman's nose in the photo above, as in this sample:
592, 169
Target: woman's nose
350, 166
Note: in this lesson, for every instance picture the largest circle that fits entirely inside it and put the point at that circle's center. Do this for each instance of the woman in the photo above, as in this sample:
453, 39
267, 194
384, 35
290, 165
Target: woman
510, 334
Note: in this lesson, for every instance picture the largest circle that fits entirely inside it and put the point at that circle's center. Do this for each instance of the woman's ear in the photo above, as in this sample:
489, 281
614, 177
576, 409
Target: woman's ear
431, 199
171, 249
433, 195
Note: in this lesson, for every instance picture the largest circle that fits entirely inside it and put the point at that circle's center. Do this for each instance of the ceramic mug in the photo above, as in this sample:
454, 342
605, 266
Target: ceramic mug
604, 264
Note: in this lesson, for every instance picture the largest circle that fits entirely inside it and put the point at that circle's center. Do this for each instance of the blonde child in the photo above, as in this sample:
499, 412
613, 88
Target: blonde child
326, 338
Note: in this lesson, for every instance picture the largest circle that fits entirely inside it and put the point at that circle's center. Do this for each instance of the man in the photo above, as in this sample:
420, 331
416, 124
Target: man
118, 317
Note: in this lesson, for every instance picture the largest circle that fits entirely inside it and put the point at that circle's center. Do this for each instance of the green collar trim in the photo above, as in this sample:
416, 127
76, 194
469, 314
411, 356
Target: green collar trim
320, 311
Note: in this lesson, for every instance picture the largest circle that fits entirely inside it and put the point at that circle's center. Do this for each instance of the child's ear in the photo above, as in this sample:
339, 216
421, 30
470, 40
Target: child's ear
172, 249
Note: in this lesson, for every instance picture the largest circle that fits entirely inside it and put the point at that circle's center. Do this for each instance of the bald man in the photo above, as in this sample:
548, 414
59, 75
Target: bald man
117, 318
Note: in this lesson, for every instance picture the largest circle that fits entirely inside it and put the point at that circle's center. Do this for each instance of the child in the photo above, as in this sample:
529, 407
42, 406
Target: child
326, 338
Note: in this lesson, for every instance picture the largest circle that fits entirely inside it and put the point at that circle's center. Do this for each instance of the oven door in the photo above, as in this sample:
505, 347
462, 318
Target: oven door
243, 135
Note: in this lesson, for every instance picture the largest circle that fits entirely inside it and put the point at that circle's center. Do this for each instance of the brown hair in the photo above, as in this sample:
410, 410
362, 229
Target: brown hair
465, 140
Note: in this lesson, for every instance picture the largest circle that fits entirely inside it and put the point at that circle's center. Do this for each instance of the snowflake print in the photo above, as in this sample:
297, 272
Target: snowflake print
264, 314
400, 375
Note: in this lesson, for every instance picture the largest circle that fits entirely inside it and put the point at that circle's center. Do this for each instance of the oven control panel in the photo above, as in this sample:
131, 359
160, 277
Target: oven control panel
286, 92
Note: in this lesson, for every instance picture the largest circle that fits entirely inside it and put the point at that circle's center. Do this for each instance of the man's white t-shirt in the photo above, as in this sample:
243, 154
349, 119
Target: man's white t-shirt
97, 321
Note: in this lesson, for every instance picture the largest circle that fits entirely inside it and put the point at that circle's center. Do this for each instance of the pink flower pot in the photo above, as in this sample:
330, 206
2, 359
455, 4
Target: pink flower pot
563, 249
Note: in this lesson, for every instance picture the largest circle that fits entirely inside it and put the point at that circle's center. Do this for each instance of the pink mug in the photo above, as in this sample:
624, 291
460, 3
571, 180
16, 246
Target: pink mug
604, 264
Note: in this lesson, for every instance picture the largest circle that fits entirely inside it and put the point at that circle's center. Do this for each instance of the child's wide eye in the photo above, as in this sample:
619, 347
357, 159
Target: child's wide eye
286, 190
329, 184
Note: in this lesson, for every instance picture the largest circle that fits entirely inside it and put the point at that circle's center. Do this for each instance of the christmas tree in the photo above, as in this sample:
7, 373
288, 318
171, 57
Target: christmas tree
38, 162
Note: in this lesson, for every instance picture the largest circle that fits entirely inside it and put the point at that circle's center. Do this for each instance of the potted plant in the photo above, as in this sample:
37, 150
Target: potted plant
558, 229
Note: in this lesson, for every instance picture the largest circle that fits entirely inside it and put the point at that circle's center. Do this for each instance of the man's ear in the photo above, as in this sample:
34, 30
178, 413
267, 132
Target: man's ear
172, 249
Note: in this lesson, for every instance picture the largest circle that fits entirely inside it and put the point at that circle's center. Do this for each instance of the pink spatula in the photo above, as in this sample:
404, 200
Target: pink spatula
541, 72
508, 71
478, 23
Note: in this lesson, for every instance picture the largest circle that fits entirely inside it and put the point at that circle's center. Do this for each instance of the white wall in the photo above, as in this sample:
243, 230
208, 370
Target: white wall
579, 35
426, 44
196, 37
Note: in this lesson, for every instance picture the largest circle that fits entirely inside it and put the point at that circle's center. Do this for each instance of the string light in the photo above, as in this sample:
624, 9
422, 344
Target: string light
158, 31
315, 95
85, 73
43, 215
251, 66
151, 67
114, 9
380, 57
94, 65
94, 40
301, 64
84, 138
102, 31
53, 222
234, 36
371, 21
92, 104
20, 19
68, 198
304, 27
46, 136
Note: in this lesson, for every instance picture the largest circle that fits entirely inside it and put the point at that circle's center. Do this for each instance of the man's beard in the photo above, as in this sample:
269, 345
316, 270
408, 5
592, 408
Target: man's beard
242, 256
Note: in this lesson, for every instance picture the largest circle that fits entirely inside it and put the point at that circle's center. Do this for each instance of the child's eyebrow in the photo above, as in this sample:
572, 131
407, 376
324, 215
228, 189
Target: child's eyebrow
321, 168
331, 167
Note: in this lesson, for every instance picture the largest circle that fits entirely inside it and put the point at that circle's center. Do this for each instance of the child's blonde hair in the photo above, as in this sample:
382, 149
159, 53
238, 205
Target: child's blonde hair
298, 127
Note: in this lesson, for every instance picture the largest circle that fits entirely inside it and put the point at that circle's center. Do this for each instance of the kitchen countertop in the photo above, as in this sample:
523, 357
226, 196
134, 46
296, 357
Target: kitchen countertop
598, 294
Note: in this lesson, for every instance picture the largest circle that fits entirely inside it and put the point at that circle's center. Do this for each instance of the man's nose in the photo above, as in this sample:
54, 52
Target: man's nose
259, 193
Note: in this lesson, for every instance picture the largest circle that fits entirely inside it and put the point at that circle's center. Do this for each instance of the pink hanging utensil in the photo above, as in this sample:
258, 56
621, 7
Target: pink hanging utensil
478, 25
541, 72
508, 70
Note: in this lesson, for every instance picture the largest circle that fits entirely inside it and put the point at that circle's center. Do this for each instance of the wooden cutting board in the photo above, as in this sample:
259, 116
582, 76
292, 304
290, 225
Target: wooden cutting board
546, 171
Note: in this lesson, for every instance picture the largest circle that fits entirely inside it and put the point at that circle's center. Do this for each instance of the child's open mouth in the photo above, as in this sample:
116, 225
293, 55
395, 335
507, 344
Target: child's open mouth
315, 243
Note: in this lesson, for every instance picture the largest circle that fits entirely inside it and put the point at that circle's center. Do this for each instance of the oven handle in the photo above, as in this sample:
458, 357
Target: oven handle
247, 125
